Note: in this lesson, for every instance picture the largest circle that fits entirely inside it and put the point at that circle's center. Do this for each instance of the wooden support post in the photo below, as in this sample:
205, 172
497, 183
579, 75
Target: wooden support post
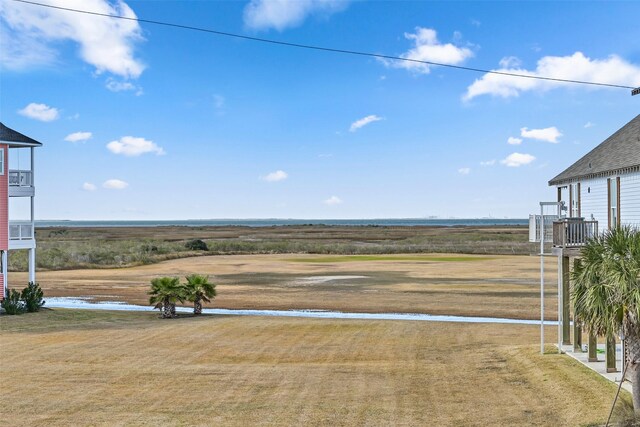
593, 347
577, 335
577, 327
566, 317
611, 354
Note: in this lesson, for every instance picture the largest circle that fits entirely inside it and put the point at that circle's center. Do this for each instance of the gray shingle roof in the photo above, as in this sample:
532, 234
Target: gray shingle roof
619, 152
15, 138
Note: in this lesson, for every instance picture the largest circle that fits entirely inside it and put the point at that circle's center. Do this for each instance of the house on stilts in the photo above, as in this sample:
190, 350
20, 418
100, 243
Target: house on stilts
17, 188
598, 192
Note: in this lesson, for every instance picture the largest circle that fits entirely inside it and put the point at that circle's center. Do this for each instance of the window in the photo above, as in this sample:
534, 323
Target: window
1, 161
613, 185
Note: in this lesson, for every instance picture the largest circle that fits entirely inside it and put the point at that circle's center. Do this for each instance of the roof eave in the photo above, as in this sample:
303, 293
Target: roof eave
13, 144
628, 169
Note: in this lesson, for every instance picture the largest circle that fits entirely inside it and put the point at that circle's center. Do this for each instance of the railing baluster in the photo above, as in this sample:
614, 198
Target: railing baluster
570, 232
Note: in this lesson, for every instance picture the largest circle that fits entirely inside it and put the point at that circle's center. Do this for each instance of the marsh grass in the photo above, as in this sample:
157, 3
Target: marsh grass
73, 248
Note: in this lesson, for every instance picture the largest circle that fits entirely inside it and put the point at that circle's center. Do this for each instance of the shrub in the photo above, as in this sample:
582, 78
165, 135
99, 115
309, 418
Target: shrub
32, 297
13, 304
196, 245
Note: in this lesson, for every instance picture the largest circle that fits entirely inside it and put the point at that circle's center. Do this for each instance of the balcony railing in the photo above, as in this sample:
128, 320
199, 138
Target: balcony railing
20, 230
573, 232
537, 223
20, 178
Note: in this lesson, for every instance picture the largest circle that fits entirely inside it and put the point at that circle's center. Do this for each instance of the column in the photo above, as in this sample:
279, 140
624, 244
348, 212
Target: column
566, 318
5, 261
577, 327
32, 251
32, 265
593, 347
611, 354
577, 335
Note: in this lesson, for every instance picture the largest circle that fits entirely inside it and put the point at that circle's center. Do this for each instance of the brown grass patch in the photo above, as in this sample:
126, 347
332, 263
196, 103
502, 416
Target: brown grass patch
497, 286
68, 367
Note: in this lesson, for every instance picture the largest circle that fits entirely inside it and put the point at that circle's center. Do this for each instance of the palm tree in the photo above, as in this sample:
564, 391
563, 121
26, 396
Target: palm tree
165, 293
199, 289
606, 292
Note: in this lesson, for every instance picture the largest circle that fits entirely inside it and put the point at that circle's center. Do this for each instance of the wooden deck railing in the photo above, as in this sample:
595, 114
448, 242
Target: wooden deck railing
573, 232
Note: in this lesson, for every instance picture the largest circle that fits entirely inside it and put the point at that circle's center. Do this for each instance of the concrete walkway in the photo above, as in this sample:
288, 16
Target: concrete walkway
600, 366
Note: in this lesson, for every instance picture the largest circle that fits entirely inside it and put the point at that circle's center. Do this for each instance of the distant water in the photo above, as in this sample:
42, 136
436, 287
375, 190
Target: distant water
405, 222
85, 303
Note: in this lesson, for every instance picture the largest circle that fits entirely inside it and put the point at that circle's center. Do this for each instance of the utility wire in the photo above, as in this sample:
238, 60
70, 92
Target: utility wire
321, 48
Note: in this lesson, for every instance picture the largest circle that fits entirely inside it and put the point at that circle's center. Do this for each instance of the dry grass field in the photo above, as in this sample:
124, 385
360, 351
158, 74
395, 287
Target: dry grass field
477, 285
64, 367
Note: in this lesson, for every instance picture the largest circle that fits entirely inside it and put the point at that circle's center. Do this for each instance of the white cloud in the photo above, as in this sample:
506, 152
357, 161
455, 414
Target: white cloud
115, 184
131, 146
363, 122
87, 186
107, 44
121, 86
589, 125
19, 51
550, 134
514, 141
428, 48
281, 14
40, 112
333, 200
276, 176
510, 62
611, 70
78, 137
488, 162
515, 160
464, 171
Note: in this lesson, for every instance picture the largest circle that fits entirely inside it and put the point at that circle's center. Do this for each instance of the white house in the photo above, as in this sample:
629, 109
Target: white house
600, 191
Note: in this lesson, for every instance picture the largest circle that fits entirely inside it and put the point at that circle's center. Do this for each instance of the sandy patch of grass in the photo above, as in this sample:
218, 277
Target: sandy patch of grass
419, 258
64, 367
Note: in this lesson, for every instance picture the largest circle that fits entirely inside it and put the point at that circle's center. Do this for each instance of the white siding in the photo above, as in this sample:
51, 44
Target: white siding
593, 201
630, 199
594, 204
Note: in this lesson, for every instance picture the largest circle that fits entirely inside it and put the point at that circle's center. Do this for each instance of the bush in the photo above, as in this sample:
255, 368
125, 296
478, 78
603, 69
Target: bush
13, 304
196, 245
32, 297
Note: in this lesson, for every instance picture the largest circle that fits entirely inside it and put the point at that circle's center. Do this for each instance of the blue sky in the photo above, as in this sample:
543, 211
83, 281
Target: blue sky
141, 121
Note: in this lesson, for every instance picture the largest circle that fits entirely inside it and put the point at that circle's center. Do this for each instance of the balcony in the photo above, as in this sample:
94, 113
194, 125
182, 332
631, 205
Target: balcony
21, 183
20, 230
21, 235
573, 233
20, 178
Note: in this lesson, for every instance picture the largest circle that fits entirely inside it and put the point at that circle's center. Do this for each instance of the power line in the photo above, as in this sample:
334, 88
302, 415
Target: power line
321, 48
